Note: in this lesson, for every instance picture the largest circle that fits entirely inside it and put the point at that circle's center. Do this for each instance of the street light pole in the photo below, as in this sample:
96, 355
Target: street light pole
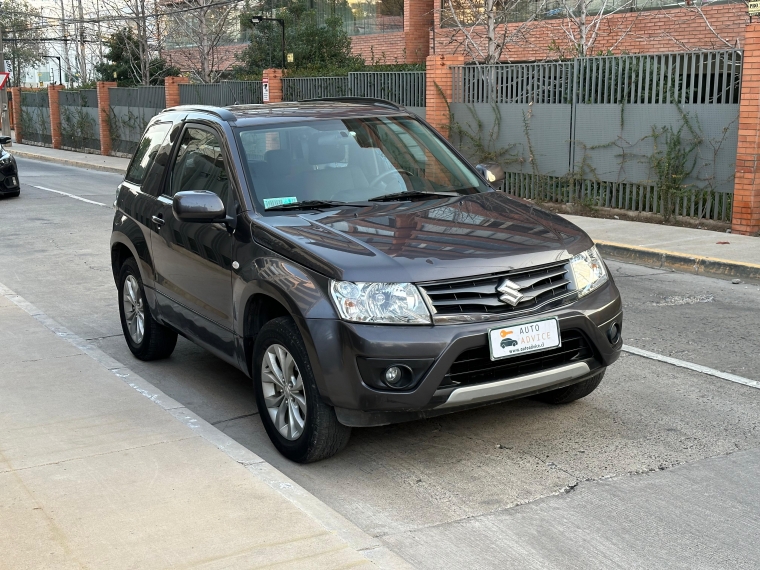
60, 75
256, 20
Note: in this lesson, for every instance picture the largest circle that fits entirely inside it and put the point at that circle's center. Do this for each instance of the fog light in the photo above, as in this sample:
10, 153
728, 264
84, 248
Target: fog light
393, 376
614, 333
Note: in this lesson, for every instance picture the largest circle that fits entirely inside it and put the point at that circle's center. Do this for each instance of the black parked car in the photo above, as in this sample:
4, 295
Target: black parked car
343, 255
9, 184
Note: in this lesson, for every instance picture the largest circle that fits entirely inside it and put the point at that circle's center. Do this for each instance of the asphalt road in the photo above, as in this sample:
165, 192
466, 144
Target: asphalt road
657, 468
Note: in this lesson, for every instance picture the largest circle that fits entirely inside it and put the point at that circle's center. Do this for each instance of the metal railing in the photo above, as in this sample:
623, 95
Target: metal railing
35, 118
131, 110
707, 77
300, 88
223, 94
80, 121
405, 88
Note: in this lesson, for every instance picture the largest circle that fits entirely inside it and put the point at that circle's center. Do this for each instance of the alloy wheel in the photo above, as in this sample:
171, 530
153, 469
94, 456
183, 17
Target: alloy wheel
283, 390
134, 309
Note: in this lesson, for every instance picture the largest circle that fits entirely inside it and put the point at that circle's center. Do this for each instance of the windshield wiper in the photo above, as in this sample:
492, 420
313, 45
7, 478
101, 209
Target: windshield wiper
312, 205
402, 196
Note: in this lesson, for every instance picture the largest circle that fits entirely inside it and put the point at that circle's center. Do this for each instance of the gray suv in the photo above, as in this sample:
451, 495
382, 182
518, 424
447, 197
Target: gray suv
351, 262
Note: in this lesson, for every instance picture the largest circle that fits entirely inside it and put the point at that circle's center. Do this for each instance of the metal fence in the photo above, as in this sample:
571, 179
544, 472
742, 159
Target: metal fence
35, 118
80, 122
221, 94
301, 88
405, 88
652, 133
131, 110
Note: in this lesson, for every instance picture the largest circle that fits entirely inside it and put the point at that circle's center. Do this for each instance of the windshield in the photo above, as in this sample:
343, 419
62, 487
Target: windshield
350, 160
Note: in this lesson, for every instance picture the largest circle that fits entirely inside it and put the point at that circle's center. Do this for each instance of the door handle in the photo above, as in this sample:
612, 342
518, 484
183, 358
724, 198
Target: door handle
158, 220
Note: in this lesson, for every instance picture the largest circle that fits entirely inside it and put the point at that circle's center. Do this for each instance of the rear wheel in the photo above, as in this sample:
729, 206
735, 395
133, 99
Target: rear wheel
572, 393
301, 426
146, 337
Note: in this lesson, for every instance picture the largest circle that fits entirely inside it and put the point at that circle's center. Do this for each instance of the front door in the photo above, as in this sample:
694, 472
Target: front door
192, 260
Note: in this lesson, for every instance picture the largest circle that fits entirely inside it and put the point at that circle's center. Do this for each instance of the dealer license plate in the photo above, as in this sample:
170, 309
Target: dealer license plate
523, 338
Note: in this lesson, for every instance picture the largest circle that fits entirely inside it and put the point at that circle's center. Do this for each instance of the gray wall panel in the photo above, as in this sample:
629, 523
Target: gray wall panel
615, 143
515, 129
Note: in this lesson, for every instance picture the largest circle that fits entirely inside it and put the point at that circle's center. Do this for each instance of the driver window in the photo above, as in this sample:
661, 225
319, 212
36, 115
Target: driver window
200, 165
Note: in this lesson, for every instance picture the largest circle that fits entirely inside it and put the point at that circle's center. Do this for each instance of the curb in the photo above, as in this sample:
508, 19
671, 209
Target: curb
662, 259
372, 548
68, 162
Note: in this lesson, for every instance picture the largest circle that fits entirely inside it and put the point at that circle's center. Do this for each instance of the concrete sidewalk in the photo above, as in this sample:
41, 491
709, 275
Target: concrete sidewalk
704, 252
113, 164
94, 474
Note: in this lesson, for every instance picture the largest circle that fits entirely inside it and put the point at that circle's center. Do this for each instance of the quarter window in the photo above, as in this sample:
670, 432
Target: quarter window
146, 152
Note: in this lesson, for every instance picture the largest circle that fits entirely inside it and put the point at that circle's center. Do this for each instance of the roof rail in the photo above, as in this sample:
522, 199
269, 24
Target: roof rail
223, 114
372, 100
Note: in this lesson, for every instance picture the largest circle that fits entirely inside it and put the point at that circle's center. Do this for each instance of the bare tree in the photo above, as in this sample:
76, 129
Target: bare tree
143, 43
582, 20
482, 29
198, 30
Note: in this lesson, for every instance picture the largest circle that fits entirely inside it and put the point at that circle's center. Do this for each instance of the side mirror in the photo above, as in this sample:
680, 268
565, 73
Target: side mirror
492, 172
5, 140
199, 206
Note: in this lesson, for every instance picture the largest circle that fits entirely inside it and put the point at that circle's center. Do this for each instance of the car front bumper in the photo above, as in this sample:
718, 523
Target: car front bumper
9, 182
341, 352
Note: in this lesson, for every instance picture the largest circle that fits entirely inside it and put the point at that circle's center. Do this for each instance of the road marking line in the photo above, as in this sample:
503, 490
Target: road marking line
69, 195
692, 366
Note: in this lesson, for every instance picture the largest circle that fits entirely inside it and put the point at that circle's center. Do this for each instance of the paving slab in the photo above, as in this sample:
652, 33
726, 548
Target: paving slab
94, 474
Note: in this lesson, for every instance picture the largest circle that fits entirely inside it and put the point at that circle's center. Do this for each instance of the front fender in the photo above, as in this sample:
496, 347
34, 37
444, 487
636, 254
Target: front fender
297, 289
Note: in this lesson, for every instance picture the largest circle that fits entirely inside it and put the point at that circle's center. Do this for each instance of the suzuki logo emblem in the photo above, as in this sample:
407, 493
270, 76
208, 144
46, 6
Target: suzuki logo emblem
510, 293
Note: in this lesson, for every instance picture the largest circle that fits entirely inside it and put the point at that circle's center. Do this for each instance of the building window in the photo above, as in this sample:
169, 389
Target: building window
362, 17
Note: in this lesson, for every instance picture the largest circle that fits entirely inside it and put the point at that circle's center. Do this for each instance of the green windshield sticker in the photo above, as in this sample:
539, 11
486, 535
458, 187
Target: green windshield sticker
274, 202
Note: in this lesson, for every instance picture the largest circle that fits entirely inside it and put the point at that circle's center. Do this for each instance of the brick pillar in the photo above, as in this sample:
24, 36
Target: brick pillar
55, 114
746, 211
104, 115
16, 122
275, 84
439, 90
418, 17
172, 90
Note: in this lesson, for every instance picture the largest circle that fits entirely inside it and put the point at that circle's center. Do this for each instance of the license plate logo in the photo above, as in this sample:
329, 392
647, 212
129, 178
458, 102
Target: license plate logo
524, 338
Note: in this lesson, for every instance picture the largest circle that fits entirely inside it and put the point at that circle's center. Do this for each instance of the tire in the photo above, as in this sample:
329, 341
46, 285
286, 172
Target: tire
321, 435
570, 394
156, 341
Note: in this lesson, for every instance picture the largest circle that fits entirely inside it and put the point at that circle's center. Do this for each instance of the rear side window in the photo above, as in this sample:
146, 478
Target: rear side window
146, 152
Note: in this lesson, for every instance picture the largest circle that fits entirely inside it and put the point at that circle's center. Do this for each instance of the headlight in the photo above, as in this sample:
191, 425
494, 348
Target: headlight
386, 303
589, 271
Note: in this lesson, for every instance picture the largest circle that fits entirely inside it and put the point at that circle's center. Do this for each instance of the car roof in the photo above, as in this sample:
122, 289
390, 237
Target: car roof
247, 115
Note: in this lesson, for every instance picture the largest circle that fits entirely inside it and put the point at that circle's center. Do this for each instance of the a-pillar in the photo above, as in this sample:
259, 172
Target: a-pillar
55, 114
439, 90
171, 85
275, 84
104, 115
16, 122
746, 210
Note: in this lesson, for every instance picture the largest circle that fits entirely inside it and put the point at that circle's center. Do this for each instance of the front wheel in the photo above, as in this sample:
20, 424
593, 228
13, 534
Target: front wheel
301, 426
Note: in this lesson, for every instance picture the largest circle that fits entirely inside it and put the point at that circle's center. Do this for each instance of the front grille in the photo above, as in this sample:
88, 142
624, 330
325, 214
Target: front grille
475, 366
537, 285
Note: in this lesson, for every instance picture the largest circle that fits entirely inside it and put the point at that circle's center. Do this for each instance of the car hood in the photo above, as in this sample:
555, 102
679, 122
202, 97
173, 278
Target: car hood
423, 241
